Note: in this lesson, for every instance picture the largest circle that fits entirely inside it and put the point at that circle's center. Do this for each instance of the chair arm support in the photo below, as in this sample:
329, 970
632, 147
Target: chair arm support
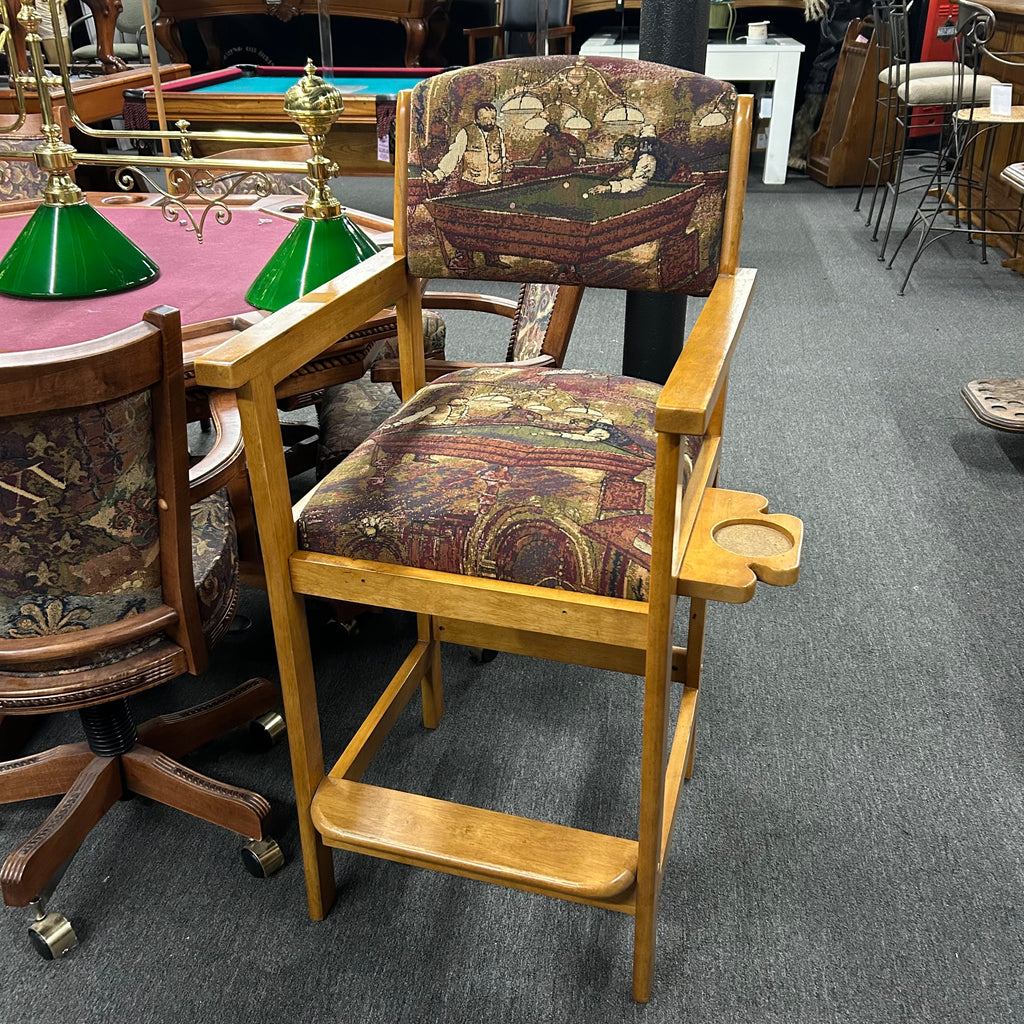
388, 369
483, 31
688, 399
470, 301
226, 458
277, 346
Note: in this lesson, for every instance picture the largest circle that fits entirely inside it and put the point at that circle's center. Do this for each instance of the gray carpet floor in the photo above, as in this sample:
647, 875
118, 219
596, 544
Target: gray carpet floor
850, 847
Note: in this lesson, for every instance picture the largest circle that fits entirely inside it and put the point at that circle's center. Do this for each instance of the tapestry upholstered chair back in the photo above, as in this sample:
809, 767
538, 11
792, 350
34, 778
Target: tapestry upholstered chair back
570, 170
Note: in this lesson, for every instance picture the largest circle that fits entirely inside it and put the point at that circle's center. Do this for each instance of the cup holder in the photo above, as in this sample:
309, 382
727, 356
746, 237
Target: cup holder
753, 538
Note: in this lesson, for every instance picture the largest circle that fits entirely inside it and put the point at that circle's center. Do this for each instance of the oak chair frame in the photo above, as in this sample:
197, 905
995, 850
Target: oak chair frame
335, 809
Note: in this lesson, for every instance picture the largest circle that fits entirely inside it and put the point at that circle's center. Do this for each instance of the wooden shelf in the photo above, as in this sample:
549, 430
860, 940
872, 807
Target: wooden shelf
735, 543
538, 856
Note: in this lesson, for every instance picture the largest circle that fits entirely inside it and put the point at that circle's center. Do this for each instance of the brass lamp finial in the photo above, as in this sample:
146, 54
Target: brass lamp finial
314, 105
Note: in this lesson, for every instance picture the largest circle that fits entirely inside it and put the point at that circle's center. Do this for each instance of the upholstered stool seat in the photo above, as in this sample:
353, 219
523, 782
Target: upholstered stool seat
513, 444
941, 90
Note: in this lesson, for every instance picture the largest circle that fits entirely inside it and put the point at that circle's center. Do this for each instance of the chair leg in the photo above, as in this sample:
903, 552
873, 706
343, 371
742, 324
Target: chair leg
183, 731
431, 688
694, 660
27, 870
153, 774
47, 774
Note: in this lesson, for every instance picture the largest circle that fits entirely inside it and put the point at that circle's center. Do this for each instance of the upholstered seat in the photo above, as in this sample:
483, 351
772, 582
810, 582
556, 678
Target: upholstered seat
542, 321
508, 445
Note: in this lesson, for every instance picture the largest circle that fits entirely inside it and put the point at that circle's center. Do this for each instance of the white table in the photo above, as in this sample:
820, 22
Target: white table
776, 60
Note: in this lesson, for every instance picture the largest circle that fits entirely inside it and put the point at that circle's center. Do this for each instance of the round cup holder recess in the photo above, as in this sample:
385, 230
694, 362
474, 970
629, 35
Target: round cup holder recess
127, 199
753, 537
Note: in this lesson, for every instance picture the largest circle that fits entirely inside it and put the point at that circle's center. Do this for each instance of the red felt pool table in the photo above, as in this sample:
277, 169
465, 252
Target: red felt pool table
206, 281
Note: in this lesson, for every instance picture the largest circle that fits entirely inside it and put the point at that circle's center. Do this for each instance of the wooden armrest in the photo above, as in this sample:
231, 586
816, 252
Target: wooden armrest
227, 456
470, 301
388, 370
696, 381
483, 31
277, 346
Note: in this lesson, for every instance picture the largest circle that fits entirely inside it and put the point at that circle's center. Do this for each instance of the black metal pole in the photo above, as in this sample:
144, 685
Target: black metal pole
672, 32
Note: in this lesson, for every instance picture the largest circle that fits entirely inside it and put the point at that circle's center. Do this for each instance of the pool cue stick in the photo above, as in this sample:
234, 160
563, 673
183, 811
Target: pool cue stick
323, 11
154, 67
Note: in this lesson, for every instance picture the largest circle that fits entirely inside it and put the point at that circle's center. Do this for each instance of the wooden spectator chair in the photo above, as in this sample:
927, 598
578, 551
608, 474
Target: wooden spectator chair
543, 511
121, 573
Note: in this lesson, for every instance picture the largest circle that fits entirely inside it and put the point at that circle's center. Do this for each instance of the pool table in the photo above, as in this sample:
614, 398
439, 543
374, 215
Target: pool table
251, 97
588, 226
206, 281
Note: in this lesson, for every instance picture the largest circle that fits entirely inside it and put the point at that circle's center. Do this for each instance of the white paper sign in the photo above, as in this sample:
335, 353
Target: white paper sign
1001, 100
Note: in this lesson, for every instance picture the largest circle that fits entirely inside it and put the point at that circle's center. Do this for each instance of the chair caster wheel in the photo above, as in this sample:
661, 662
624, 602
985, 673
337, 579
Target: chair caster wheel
267, 729
262, 857
482, 655
52, 936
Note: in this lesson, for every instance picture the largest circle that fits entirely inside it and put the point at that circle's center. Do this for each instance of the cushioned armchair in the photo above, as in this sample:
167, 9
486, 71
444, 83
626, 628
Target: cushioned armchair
543, 511
110, 585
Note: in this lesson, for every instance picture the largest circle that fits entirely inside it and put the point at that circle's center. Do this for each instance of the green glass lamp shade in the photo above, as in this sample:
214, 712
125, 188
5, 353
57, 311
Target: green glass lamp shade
313, 253
66, 252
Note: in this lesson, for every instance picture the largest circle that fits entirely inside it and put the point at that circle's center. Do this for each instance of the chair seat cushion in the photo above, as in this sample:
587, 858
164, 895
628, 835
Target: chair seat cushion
348, 412
537, 476
920, 69
944, 89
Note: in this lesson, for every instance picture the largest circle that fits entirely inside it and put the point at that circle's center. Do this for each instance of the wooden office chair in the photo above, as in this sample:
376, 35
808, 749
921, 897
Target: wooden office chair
108, 586
551, 512
542, 322
521, 16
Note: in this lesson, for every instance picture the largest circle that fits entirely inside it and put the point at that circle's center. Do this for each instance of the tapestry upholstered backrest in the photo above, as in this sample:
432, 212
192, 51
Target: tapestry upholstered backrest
78, 503
570, 170
94, 499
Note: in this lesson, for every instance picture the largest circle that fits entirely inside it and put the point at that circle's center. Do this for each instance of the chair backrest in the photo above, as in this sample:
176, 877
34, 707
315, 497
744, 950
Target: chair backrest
596, 172
521, 15
543, 323
132, 19
95, 502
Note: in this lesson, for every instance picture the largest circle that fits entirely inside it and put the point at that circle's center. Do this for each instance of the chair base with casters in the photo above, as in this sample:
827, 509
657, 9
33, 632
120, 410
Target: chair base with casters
556, 513
126, 574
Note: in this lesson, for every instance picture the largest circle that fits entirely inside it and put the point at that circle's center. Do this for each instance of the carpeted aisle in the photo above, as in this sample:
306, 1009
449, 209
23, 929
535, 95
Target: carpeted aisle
850, 847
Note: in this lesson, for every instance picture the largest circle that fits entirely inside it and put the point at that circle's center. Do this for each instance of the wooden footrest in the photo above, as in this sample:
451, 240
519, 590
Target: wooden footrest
519, 852
997, 402
735, 543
